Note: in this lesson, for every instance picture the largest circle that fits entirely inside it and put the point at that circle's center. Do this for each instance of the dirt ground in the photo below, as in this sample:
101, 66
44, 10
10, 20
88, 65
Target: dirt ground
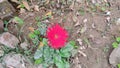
94, 31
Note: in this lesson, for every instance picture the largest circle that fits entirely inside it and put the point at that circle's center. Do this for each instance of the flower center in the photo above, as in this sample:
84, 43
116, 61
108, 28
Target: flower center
56, 36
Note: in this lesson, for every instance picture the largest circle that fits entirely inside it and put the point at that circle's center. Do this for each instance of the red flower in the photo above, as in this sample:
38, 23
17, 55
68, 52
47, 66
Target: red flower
57, 36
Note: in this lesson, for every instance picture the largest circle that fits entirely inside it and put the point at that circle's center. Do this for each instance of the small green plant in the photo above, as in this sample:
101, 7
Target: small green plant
116, 43
19, 21
47, 55
6, 25
118, 65
81, 11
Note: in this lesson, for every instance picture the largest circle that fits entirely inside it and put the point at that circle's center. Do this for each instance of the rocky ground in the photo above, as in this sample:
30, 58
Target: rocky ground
93, 24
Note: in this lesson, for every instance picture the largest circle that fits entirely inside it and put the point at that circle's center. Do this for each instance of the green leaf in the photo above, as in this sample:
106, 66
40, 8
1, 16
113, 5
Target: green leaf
39, 24
115, 44
68, 47
19, 21
39, 53
103, 8
48, 54
6, 25
74, 52
5, 29
66, 64
118, 65
72, 43
37, 32
57, 58
42, 28
32, 35
44, 41
39, 61
37, 19
87, 41
22, 6
45, 65
58, 61
27, 52
60, 64
65, 54
66, 51
81, 11
118, 39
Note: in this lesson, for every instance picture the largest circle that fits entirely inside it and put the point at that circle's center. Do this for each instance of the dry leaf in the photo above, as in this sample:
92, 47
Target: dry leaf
16, 1
31, 29
82, 47
47, 2
78, 31
93, 25
18, 6
108, 19
80, 41
78, 23
1, 25
22, 10
25, 3
79, 1
10, 67
41, 44
74, 18
83, 29
36, 7
72, 6
105, 1
82, 53
48, 14
93, 1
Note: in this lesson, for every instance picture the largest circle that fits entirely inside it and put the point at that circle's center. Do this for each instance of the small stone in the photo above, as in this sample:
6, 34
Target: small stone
36, 8
1, 65
24, 45
108, 13
2, 0
85, 20
80, 41
22, 10
8, 40
6, 9
1, 26
114, 57
13, 60
118, 21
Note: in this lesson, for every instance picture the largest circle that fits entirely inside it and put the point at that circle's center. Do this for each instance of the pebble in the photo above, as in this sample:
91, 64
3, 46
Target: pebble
8, 40
6, 9
118, 21
13, 60
24, 45
114, 57
1, 26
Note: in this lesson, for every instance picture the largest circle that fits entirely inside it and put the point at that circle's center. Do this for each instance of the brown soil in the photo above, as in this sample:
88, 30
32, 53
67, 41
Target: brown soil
99, 32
